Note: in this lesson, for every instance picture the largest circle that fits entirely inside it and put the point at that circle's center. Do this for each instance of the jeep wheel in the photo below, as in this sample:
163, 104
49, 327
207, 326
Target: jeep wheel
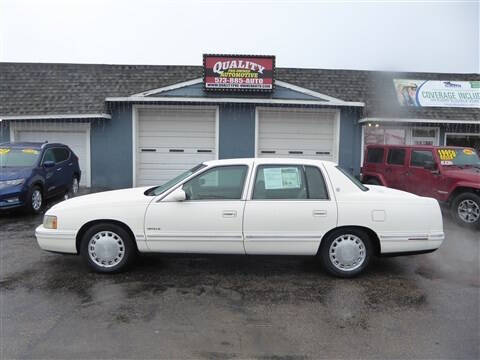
466, 209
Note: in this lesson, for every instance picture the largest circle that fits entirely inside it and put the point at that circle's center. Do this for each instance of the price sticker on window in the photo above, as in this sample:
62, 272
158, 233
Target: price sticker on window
281, 178
468, 152
447, 154
4, 151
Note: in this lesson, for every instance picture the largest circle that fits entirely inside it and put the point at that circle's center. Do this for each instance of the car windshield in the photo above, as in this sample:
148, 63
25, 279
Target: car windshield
458, 157
162, 188
13, 157
353, 179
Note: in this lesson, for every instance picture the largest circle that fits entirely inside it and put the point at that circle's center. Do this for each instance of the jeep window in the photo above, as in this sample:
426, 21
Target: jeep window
421, 157
458, 157
375, 155
11, 157
396, 157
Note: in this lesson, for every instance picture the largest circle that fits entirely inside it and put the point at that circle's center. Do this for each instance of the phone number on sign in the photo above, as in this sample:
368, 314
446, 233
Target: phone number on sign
237, 81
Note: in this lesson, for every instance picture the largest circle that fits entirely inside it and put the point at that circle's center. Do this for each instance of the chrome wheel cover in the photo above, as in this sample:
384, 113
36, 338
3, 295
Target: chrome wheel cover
347, 252
75, 186
468, 211
36, 200
106, 249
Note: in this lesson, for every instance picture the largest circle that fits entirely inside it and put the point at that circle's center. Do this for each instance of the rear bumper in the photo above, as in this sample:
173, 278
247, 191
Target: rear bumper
62, 241
411, 243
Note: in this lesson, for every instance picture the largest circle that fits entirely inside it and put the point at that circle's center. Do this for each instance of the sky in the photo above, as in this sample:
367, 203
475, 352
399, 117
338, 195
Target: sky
433, 36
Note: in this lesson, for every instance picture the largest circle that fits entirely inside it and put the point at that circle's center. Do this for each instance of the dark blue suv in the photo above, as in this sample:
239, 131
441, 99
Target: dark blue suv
31, 172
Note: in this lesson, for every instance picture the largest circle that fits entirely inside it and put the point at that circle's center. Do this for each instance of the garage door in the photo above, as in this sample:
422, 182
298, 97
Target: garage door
73, 135
311, 134
172, 140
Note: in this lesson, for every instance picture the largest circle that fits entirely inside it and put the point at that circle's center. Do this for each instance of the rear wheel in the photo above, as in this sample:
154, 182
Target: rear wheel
73, 188
346, 252
107, 248
466, 209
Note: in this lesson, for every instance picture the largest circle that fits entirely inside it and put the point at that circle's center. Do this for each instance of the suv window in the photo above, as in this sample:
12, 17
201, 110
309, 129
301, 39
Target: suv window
420, 157
281, 182
61, 154
375, 155
49, 156
219, 183
315, 183
396, 157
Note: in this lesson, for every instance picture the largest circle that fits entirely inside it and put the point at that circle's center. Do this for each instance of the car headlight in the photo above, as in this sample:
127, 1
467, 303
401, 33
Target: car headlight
7, 183
50, 222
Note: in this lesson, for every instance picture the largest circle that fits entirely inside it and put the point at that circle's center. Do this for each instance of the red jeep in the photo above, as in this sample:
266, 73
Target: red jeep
449, 174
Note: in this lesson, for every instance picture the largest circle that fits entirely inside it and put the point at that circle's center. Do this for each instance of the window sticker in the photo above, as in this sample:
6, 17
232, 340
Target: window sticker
281, 178
4, 151
468, 152
447, 154
445, 162
30, 151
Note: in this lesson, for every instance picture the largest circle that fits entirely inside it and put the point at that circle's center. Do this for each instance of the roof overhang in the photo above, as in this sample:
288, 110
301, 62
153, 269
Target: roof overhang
56, 116
407, 120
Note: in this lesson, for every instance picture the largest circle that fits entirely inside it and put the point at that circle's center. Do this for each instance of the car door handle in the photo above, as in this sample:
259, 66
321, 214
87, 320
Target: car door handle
229, 213
59, 169
319, 212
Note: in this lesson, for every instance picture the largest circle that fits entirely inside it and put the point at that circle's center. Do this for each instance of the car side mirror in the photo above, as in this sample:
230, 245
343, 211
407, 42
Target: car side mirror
48, 164
176, 195
430, 165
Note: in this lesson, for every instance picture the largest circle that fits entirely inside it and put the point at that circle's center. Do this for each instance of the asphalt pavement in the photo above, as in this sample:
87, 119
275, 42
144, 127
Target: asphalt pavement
229, 307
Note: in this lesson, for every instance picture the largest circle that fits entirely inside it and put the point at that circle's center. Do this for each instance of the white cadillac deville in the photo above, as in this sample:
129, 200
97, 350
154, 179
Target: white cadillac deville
249, 207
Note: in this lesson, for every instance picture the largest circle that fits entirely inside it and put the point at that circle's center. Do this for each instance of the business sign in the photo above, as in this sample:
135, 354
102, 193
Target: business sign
434, 93
238, 72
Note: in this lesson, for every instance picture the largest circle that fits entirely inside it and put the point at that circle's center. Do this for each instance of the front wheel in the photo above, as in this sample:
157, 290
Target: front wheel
107, 248
466, 209
35, 200
346, 252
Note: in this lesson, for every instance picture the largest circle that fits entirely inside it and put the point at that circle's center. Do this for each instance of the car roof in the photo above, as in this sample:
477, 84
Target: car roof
30, 144
416, 146
249, 161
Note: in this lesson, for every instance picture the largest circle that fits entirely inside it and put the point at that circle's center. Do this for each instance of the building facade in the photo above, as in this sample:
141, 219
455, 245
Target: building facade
142, 125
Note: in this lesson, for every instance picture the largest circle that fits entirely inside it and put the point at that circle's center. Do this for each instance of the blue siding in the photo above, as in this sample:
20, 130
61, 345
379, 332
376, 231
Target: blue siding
4, 131
111, 150
236, 131
350, 140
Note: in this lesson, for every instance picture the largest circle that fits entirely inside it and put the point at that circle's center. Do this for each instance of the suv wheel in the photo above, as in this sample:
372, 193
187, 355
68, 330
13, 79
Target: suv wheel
35, 200
466, 209
346, 252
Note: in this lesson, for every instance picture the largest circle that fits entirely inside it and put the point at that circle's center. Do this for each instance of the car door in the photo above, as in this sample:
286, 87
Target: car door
290, 208
396, 168
208, 221
64, 169
52, 181
422, 181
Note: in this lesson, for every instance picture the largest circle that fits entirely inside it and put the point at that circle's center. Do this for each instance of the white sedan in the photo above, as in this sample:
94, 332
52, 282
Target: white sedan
249, 207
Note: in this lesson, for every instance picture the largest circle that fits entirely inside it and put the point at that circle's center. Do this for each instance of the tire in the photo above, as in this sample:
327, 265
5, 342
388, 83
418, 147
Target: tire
107, 248
373, 181
35, 201
73, 188
357, 244
465, 209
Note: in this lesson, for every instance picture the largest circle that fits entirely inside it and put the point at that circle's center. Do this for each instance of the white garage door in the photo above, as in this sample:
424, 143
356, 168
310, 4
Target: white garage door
73, 135
172, 140
299, 133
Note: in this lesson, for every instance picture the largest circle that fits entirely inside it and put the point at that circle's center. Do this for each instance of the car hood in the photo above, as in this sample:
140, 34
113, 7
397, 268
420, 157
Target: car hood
106, 198
11, 173
467, 174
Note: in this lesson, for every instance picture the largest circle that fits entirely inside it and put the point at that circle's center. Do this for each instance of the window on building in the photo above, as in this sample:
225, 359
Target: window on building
396, 157
375, 155
420, 157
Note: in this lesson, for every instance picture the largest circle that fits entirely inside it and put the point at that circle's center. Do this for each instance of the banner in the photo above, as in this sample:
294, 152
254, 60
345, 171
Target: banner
435, 93
238, 72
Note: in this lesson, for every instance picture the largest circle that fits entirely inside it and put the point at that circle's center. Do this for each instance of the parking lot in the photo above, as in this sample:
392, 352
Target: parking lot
225, 307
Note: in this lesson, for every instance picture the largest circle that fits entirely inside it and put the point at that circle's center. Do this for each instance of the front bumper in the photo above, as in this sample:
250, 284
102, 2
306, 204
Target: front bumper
63, 241
11, 198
